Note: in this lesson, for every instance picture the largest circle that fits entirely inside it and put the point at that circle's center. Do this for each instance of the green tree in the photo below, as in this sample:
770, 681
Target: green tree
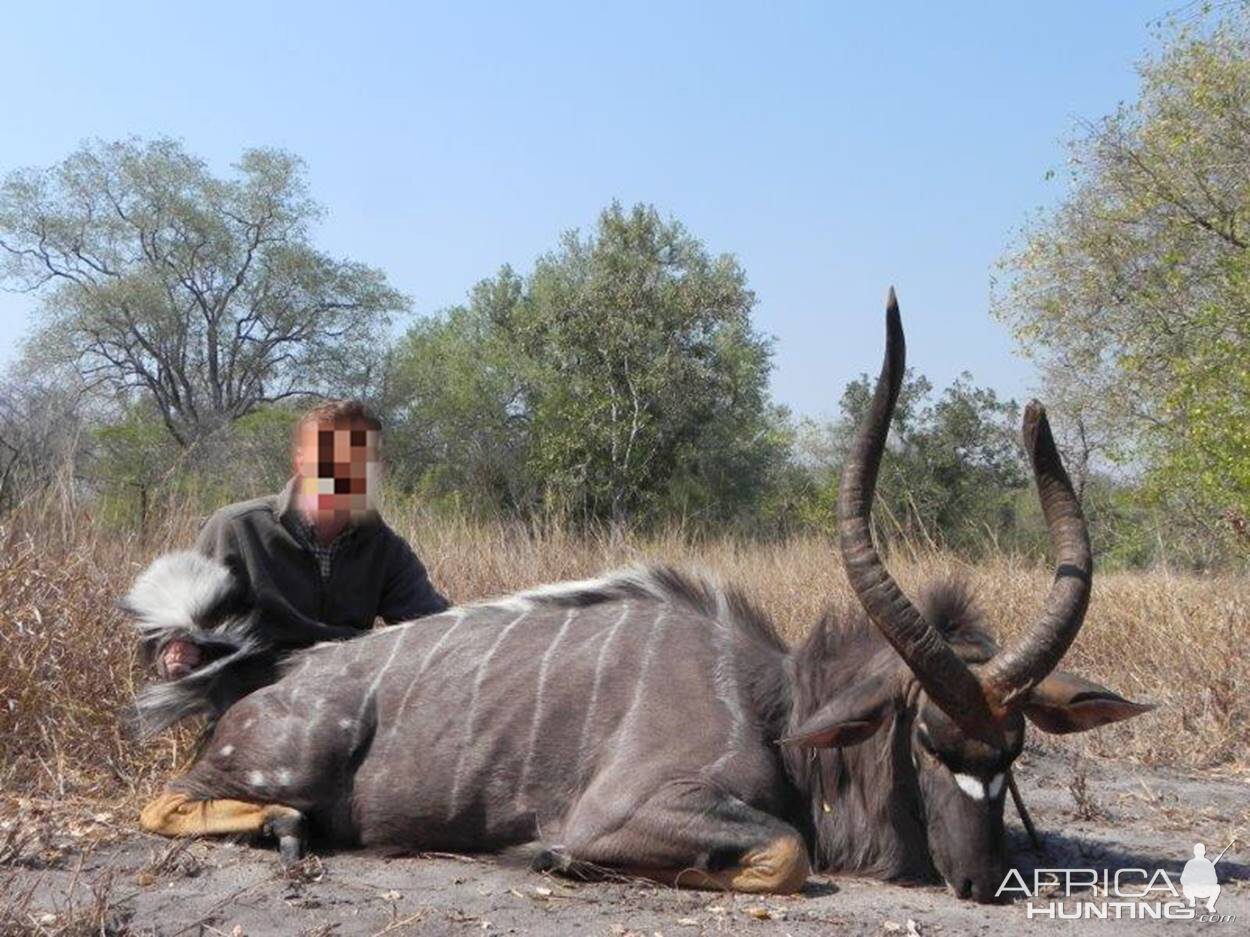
459, 404
1134, 293
203, 293
955, 469
621, 377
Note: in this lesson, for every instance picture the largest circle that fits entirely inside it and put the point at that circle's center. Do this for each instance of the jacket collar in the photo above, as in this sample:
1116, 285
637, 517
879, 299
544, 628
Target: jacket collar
290, 516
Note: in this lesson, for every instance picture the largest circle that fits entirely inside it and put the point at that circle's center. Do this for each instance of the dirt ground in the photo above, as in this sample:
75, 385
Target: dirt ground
82, 872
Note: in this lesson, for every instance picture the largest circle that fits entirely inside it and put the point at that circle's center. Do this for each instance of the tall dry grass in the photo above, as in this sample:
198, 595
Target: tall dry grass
68, 664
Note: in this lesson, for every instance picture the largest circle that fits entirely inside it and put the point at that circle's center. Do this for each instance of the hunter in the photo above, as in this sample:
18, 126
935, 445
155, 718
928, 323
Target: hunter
316, 558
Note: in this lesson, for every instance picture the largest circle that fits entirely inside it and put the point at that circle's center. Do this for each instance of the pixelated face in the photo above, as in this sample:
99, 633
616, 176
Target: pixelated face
338, 465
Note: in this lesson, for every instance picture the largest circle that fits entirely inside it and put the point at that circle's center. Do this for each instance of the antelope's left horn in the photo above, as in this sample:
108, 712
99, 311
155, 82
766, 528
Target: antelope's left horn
1013, 672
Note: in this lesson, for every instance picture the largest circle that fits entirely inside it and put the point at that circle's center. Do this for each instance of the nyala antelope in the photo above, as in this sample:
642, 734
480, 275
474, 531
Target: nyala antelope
647, 722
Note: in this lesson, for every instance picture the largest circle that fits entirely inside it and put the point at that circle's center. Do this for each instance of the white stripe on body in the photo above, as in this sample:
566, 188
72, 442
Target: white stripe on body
725, 679
653, 642
461, 615
588, 720
467, 746
371, 693
538, 702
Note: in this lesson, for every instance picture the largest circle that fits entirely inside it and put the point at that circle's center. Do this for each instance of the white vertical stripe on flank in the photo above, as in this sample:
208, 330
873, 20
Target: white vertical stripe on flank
461, 615
653, 643
368, 698
474, 700
588, 720
543, 668
725, 679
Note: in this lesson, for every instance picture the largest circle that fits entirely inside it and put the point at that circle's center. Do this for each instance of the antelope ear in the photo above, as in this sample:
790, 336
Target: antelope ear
1064, 702
851, 717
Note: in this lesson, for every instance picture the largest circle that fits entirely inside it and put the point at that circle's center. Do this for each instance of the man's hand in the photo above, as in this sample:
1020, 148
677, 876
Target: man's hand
178, 658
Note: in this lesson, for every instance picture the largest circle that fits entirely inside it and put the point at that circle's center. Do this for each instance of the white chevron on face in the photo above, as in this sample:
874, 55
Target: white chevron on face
996, 784
973, 787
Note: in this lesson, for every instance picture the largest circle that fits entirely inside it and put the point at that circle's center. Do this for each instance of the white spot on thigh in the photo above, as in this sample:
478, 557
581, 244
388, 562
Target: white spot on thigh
256, 778
346, 723
996, 784
971, 786
249, 723
226, 751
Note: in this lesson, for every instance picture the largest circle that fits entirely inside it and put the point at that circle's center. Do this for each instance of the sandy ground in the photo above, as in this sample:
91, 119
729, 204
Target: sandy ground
135, 884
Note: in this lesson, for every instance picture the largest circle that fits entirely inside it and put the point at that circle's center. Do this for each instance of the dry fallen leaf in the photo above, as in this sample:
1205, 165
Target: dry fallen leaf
760, 914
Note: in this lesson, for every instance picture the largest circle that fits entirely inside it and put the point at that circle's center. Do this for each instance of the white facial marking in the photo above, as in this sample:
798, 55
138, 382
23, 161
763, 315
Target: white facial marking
996, 784
971, 786
226, 751
284, 777
256, 778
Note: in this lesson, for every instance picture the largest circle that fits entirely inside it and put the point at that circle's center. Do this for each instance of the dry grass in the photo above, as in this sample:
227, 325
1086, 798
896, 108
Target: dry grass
68, 664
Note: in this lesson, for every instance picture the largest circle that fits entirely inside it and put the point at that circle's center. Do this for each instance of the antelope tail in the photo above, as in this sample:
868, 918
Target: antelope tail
189, 597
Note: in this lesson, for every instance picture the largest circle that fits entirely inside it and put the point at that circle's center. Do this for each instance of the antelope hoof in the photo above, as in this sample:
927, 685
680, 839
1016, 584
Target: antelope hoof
289, 830
551, 859
557, 859
290, 850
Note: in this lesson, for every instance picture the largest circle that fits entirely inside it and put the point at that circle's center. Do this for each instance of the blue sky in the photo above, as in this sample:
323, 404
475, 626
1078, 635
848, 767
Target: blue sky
835, 149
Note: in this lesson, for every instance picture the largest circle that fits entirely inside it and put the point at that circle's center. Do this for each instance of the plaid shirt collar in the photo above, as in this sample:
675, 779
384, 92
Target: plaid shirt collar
324, 553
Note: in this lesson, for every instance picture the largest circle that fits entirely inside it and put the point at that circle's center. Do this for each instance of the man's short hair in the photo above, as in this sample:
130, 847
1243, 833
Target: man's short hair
341, 412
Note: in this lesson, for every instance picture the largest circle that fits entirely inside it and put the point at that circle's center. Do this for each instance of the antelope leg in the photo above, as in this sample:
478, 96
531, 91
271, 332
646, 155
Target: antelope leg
687, 835
174, 813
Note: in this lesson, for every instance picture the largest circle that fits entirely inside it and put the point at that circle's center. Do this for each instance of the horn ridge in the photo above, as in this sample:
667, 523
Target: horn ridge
1018, 668
948, 681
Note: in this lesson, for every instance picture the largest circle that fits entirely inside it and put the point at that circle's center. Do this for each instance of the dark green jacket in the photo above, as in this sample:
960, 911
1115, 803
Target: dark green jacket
375, 572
